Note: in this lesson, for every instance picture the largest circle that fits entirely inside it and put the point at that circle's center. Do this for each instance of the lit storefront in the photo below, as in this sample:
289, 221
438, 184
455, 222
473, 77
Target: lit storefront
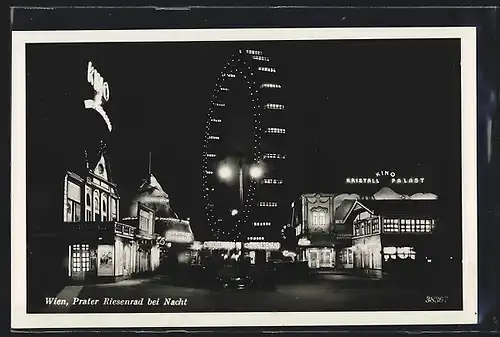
147, 255
373, 233
93, 243
390, 237
99, 246
320, 239
173, 236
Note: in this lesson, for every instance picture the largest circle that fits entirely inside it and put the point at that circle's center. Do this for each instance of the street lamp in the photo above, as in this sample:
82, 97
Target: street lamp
256, 171
226, 173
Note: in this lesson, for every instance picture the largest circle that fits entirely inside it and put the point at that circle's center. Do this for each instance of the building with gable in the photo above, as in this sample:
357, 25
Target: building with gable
174, 234
101, 247
383, 233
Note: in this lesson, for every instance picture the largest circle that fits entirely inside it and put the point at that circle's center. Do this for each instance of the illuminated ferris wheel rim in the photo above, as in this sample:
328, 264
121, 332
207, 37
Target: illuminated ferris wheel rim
252, 62
246, 64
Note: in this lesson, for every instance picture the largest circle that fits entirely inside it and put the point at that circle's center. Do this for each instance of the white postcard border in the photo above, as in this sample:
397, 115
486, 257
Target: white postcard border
21, 320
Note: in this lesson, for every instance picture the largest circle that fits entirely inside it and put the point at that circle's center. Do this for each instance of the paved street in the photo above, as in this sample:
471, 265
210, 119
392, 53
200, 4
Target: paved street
325, 293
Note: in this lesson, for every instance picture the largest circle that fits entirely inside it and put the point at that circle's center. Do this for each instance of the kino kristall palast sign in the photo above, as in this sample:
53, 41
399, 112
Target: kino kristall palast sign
389, 176
101, 89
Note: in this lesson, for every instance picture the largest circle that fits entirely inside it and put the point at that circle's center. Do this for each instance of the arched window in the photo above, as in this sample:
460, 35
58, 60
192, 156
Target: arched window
88, 208
104, 213
96, 206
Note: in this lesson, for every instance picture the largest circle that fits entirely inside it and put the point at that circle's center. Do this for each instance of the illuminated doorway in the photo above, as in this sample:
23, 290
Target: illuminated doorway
321, 258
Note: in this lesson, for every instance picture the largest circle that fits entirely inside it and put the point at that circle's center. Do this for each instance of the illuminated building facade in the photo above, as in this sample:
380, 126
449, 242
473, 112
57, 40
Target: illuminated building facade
386, 232
172, 235
390, 236
100, 247
246, 122
320, 238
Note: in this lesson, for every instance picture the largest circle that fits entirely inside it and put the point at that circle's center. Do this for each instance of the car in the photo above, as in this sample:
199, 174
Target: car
235, 282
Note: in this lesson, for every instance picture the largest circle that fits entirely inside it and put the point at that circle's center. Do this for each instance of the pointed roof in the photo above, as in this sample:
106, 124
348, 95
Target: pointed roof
357, 208
88, 162
151, 183
343, 210
151, 194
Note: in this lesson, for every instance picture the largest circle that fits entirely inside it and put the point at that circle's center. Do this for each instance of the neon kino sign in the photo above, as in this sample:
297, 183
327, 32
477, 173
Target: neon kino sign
385, 175
101, 89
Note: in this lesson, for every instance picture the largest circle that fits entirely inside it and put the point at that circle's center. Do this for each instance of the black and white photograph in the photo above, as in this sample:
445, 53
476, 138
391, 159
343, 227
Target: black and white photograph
244, 177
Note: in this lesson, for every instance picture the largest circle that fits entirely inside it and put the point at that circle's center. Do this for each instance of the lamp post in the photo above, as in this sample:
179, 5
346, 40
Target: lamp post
226, 172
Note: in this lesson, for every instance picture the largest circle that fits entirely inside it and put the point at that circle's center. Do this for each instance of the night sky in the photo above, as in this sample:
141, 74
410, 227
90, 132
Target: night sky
355, 107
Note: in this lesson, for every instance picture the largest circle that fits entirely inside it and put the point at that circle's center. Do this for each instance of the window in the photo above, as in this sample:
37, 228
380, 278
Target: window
272, 181
88, 207
356, 229
391, 225
262, 224
319, 218
145, 221
255, 238
80, 258
73, 211
424, 226
276, 130
270, 85
274, 106
253, 52
113, 209
376, 226
260, 58
104, 211
402, 253
267, 69
268, 204
274, 156
368, 227
97, 204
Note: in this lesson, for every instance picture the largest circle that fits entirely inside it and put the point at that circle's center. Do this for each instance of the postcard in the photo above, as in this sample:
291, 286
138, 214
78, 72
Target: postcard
244, 177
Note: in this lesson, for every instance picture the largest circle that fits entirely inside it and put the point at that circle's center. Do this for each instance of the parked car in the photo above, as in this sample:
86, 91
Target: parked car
232, 276
245, 277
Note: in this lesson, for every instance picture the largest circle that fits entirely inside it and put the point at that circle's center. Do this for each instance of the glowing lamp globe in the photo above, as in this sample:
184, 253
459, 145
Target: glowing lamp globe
225, 172
256, 172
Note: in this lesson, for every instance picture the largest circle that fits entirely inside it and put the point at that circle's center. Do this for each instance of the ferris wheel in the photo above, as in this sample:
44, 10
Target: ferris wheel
253, 71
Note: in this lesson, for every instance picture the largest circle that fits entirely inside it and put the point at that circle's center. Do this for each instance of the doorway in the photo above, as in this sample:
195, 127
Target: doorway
321, 258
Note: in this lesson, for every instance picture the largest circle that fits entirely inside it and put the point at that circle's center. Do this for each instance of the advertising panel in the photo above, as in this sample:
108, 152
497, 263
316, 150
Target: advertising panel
105, 261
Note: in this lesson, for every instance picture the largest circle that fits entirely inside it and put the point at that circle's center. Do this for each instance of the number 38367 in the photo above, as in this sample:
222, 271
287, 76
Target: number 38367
436, 299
